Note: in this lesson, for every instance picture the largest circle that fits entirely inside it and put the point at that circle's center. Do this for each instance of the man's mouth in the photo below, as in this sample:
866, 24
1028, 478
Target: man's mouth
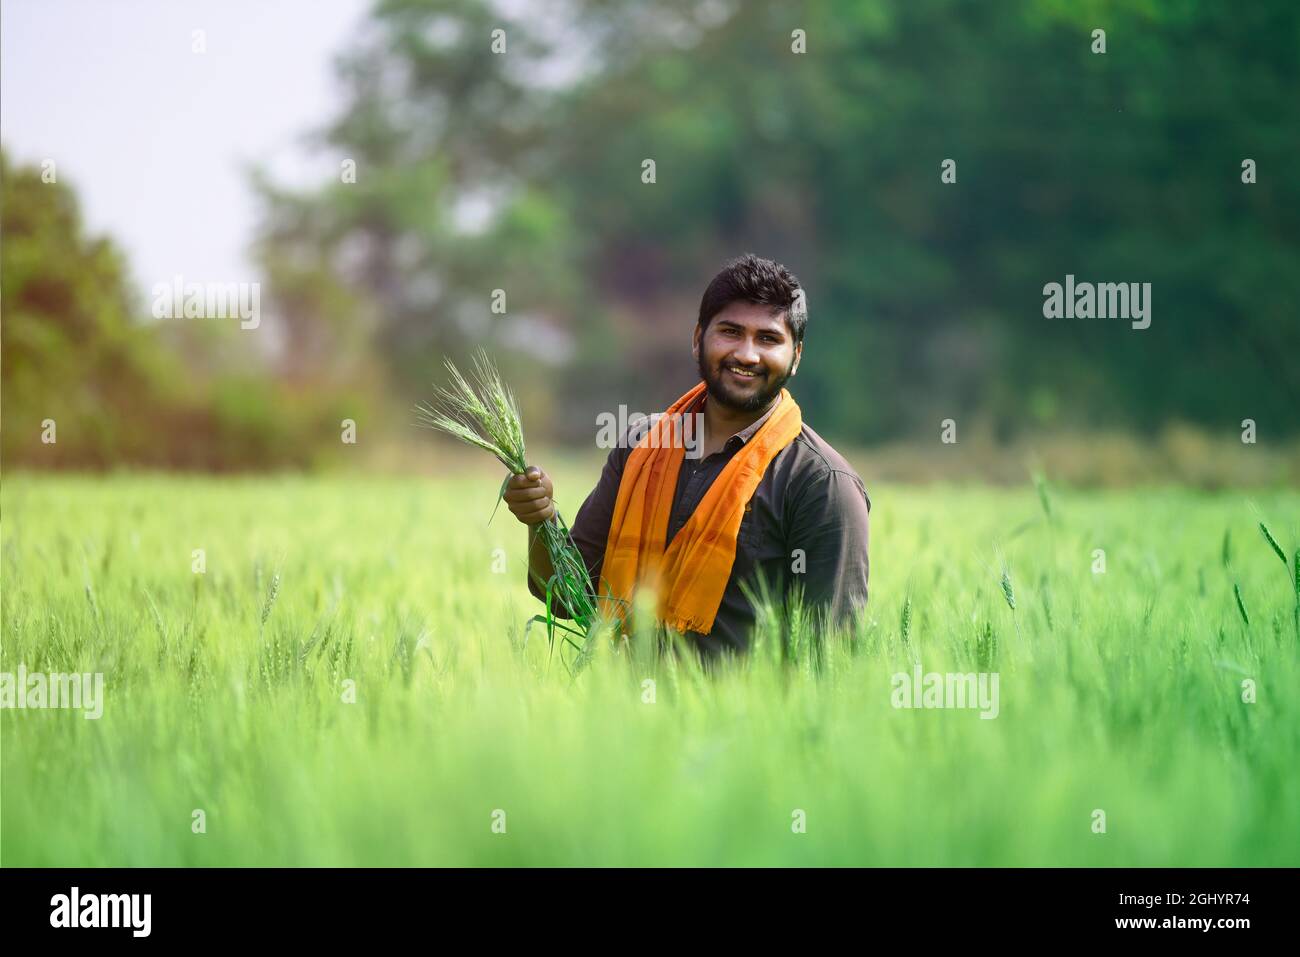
742, 373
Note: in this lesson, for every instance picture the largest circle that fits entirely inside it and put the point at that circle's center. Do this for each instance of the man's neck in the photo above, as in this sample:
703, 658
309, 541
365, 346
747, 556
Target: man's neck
721, 422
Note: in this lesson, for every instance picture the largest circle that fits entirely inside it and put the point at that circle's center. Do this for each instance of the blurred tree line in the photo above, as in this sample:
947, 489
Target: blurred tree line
463, 171
88, 384
522, 171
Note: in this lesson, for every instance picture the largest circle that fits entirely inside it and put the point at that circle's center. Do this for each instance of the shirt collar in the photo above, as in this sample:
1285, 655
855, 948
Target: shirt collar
748, 432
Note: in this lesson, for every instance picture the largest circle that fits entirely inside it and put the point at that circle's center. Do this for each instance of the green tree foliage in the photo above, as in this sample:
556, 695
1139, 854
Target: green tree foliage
71, 351
119, 388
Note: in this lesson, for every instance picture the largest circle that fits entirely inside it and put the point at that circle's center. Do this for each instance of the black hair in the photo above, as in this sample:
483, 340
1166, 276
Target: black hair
750, 278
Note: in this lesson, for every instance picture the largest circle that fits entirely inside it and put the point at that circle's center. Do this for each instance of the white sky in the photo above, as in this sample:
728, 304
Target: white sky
154, 137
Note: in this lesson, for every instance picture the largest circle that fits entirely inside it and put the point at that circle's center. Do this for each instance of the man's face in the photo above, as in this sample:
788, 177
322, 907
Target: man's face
745, 356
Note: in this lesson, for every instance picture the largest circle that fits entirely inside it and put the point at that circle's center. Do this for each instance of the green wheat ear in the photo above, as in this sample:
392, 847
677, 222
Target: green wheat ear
1277, 549
481, 411
1241, 604
1007, 592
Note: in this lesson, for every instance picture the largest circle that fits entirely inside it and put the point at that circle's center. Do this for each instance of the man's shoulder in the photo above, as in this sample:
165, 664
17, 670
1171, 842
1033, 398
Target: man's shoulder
822, 452
816, 462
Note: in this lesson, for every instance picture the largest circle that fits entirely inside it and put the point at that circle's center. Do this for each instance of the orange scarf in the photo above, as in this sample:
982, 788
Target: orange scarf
691, 575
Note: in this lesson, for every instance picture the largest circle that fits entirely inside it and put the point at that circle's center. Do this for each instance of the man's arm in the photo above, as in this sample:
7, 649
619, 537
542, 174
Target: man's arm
830, 524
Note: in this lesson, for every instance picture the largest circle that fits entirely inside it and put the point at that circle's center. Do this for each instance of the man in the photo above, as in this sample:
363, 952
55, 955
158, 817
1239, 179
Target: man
765, 494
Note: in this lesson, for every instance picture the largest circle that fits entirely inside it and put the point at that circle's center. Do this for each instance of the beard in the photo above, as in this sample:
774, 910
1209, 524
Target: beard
766, 388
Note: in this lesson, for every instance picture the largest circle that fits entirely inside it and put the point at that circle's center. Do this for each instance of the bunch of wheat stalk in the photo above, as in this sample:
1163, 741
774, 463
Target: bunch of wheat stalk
483, 413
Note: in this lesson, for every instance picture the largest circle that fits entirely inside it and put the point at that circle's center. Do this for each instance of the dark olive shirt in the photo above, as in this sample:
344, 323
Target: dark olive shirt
805, 524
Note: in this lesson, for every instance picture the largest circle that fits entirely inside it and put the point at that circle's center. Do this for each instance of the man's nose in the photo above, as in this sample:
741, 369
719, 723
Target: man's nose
746, 353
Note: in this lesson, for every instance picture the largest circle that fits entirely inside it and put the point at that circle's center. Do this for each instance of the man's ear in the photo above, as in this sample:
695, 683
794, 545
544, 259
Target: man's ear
695, 343
798, 354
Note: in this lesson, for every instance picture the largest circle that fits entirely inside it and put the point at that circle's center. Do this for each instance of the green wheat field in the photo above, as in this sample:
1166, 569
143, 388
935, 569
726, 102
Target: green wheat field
226, 692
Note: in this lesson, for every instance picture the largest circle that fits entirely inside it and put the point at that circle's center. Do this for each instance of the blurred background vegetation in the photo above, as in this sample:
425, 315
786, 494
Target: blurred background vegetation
523, 172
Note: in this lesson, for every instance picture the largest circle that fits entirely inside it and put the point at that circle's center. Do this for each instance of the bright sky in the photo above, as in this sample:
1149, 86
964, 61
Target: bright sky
153, 136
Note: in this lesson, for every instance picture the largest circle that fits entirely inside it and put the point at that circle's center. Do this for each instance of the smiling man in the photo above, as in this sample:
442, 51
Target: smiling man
765, 494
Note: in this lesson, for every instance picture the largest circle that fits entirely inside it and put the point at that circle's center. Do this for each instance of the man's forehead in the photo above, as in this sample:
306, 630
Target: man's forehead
752, 315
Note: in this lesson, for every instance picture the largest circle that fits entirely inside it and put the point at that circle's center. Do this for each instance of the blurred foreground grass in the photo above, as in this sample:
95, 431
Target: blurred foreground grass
1119, 691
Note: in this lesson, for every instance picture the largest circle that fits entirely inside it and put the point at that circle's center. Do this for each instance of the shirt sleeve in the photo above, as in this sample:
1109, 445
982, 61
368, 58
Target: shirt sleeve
589, 529
830, 524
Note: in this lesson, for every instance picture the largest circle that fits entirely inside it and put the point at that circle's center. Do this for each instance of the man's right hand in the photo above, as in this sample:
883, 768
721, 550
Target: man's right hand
531, 496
